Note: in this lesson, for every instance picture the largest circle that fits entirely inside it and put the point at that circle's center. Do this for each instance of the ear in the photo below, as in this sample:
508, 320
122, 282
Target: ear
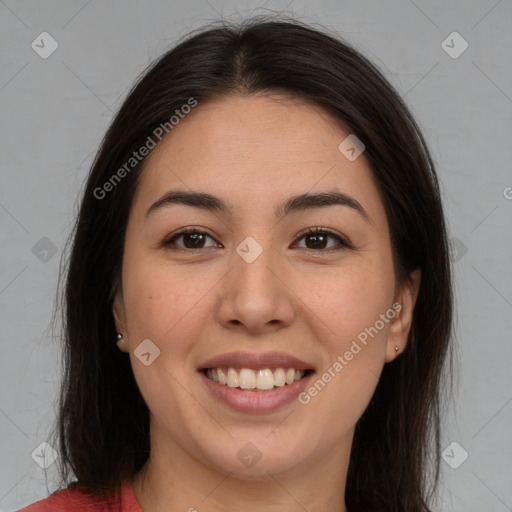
400, 325
118, 312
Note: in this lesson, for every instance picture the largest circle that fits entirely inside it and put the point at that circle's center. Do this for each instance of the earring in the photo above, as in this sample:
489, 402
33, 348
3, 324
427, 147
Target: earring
120, 338
397, 348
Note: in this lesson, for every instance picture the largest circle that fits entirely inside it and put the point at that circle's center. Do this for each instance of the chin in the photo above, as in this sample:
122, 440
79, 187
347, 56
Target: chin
252, 464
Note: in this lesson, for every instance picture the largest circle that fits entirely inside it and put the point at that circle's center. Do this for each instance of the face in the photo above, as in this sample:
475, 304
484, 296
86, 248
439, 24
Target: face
253, 289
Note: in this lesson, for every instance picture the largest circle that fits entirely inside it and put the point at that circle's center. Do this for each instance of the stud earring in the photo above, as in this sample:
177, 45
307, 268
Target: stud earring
397, 348
120, 338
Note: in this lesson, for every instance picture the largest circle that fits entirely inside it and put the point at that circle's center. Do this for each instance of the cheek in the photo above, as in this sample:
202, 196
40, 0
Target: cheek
167, 305
164, 305
157, 297
356, 305
349, 299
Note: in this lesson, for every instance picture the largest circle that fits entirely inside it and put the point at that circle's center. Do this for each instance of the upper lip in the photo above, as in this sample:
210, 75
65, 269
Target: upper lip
256, 361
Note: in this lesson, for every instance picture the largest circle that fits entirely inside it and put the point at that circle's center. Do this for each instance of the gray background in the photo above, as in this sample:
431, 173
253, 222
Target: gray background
55, 111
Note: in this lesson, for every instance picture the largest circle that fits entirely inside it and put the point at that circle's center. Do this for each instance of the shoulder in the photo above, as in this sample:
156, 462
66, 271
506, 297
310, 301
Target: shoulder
75, 499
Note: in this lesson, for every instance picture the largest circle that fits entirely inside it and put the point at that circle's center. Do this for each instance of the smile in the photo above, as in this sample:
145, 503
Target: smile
264, 379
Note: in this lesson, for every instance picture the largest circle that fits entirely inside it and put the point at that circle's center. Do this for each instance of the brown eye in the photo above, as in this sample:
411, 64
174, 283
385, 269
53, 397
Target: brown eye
316, 241
193, 240
190, 239
321, 239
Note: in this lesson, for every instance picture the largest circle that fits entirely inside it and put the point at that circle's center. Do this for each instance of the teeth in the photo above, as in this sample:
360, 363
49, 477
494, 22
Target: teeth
264, 379
259, 380
232, 380
247, 379
279, 377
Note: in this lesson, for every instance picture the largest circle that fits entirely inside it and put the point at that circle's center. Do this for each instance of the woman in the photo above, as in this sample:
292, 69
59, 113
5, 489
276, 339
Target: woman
258, 299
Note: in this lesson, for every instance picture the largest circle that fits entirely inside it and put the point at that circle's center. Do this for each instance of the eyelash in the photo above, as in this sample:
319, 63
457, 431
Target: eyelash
343, 242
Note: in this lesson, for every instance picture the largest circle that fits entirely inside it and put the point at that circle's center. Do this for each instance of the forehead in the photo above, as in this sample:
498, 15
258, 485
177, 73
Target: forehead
250, 150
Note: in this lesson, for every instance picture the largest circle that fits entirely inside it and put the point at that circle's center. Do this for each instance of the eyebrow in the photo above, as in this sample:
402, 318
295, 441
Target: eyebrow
301, 202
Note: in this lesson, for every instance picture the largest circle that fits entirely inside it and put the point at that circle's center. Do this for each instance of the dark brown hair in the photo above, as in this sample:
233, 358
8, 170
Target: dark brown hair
103, 421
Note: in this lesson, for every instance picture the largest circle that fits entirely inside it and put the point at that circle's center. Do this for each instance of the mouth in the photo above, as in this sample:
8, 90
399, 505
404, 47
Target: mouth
255, 383
261, 380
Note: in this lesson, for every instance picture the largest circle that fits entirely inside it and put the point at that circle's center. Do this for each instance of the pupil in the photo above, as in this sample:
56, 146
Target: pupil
317, 238
196, 239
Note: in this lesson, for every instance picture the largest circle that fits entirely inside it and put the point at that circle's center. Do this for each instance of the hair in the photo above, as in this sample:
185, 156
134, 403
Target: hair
103, 422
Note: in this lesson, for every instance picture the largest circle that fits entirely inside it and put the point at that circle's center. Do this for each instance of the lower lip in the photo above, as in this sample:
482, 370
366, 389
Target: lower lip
256, 401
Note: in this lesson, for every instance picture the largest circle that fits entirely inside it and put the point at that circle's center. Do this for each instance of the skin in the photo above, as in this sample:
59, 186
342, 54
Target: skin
254, 152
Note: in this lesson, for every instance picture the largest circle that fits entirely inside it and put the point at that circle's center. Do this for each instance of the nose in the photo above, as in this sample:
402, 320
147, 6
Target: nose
256, 296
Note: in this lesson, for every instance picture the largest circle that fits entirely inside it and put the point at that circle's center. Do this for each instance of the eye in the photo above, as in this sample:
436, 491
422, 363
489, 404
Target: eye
318, 239
191, 238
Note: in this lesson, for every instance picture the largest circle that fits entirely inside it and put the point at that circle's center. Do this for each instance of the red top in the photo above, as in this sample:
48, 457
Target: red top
74, 499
